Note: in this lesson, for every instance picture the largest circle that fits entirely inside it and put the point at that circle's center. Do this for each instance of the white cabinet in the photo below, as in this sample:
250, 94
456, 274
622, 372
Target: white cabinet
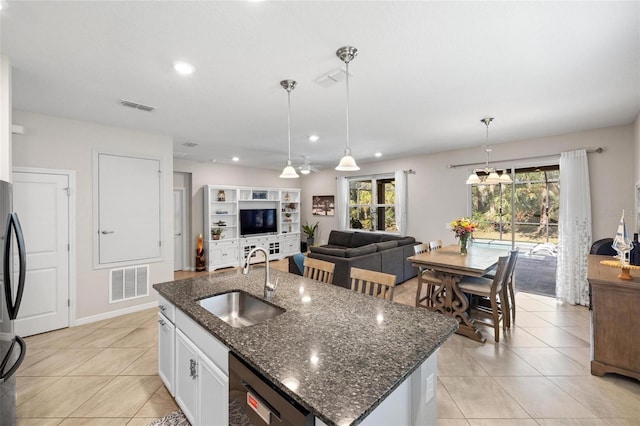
223, 253
223, 210
213, 394
186, 375
201, 368
166, 352
166, 343
290, 209
202, 389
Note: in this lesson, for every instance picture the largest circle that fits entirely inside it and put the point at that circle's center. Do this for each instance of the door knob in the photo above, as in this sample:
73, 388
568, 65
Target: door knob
178, 234
107, 232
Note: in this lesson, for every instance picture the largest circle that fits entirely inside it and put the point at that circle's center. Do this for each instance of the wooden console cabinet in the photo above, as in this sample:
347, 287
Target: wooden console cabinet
615, 320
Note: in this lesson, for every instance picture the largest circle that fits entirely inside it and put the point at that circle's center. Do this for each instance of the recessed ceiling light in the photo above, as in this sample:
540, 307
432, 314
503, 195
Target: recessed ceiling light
235, 158
314, 138
183, 68
378, 154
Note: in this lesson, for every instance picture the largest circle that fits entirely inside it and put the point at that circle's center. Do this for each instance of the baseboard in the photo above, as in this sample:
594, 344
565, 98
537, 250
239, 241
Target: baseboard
113, 314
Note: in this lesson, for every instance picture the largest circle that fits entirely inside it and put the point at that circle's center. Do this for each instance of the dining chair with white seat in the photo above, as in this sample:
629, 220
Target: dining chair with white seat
491, 290
425, 276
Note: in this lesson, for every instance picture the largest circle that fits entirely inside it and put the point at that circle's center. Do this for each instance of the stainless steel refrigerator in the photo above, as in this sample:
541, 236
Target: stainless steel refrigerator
14, 268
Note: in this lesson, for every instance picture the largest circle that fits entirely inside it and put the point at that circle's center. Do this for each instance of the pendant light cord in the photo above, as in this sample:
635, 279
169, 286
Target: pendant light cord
348, 150
289, 123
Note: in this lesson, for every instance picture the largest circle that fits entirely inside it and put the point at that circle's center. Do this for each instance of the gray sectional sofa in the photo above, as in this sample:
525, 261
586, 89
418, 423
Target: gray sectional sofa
366, 250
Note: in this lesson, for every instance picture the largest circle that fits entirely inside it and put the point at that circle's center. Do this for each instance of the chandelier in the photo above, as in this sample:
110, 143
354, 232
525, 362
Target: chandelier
489, 175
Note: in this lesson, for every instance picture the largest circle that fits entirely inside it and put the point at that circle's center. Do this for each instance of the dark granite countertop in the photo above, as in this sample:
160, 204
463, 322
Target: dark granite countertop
341, 353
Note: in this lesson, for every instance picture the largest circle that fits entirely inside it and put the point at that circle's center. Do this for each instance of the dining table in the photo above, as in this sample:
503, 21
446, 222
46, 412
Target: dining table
451, 266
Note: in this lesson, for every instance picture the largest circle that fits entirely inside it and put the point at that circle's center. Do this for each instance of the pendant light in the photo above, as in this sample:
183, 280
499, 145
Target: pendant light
492, 178
347, 163
289, 172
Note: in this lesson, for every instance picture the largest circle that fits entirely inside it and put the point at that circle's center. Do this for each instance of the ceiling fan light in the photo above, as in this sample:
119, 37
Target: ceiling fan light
305, 170
473, 179
289, 172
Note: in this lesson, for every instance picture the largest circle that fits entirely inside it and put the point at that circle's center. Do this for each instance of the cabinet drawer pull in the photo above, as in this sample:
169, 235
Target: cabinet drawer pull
161, 322
162, 308
192, 368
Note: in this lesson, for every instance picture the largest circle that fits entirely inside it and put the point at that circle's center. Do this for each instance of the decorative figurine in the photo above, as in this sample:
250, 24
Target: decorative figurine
200, 263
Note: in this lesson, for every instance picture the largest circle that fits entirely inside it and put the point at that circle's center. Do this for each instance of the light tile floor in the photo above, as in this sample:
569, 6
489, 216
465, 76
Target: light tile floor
105, 373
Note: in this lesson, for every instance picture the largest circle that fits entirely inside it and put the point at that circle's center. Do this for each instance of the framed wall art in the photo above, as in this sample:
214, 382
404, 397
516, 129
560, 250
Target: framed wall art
323, 205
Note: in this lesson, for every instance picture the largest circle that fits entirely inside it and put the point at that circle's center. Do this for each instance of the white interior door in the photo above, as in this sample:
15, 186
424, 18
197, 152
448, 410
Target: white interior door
178, 229
42, 203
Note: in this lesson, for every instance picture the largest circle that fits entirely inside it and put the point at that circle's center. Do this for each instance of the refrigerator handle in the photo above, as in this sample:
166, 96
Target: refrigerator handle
14, 367
14, 306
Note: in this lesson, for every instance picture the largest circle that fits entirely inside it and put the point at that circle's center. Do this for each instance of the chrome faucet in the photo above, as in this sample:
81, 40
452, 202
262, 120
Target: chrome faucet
269, 288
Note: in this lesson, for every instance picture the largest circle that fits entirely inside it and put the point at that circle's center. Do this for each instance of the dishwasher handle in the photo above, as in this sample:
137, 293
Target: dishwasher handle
267, 407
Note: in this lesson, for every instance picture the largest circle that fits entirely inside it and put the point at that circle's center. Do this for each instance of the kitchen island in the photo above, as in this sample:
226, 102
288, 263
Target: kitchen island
336, 353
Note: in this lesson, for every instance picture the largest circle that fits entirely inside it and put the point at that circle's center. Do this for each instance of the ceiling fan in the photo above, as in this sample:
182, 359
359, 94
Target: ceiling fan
306, 168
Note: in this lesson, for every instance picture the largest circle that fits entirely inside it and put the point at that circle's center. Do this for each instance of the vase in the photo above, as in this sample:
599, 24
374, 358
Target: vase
464, 241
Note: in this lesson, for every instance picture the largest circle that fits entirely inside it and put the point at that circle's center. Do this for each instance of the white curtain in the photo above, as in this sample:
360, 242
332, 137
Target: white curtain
574, 228
401, 201
342, 202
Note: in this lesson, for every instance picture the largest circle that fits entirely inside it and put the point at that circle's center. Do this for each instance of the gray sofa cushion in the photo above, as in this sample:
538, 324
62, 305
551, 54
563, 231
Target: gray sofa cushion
389, 237
340, 238
386, 245
406, 241
337, 252
360, 251
363, 238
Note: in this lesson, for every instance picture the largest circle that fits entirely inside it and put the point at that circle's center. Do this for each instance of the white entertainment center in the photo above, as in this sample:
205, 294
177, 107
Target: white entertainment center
238, 219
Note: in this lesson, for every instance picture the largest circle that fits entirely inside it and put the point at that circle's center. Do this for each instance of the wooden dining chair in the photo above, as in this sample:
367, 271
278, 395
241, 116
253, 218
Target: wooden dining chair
509, 298
425, 276
377, 284
318, 270
436, 244
491, 289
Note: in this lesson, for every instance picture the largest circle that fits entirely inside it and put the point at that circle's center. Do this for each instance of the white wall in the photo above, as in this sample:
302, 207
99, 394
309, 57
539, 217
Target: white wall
5, 119
57, 143
438, 194
220, 174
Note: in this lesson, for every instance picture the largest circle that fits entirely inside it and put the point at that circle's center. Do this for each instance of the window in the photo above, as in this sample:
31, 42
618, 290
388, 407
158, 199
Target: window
372, 203
536, 207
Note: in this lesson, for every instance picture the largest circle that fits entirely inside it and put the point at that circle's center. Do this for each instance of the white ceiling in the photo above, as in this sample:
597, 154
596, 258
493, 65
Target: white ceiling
425, 75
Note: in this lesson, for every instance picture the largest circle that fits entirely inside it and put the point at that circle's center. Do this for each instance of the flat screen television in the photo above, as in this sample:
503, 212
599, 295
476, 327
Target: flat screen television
258, 221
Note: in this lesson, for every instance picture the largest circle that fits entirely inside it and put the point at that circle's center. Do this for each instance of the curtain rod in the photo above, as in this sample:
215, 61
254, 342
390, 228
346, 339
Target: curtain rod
598, 150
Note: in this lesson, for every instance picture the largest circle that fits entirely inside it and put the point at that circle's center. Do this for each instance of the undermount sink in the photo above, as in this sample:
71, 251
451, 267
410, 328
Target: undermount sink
240, 309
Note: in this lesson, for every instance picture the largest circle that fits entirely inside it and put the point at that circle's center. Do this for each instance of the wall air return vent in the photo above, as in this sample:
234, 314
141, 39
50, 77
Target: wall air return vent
136, 105
128, 283
190, 144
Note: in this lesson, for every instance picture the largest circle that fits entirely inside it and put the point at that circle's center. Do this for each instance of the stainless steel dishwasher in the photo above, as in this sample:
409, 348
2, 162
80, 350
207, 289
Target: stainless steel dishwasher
261, 401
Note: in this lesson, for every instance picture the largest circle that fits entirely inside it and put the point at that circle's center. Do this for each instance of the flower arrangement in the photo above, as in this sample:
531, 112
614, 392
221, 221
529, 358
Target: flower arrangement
463, 227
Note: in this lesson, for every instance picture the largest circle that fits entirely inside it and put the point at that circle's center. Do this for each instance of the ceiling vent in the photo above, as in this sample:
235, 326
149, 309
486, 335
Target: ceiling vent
137, 105
332, 77
190, 144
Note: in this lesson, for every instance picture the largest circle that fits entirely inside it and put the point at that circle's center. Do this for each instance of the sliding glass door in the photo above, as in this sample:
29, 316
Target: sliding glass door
535, 204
